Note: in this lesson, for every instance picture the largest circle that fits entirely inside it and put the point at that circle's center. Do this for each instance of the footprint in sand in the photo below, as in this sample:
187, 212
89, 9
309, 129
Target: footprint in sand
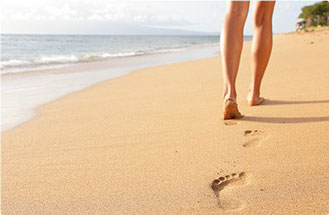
227, 202
258, 137
228, 122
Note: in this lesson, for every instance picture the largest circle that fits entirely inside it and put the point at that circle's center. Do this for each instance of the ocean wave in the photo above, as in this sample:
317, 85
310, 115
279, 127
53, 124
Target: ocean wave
58, 59
16, 64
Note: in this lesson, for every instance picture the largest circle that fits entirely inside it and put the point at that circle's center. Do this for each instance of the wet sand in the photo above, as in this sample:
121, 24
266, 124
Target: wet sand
153, 142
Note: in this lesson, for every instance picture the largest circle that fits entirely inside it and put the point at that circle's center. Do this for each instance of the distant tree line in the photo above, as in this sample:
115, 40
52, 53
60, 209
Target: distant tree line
314, 15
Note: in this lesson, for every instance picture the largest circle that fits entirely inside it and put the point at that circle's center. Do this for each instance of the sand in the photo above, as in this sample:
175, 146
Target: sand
153, 142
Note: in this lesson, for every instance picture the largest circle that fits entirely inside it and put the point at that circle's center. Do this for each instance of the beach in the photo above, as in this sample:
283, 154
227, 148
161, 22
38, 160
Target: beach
153, 142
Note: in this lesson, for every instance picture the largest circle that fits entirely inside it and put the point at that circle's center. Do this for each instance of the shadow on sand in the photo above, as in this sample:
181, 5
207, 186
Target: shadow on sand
282, 102
283, 120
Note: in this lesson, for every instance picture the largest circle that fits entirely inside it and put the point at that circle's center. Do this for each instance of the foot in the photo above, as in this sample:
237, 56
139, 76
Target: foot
231, 110
255, 100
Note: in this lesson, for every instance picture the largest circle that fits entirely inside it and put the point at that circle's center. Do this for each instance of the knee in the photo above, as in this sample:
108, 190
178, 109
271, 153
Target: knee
263, 14
262, 19
238, 10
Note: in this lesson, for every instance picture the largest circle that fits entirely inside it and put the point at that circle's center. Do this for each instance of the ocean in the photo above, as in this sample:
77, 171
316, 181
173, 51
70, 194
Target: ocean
36, 69
31, 52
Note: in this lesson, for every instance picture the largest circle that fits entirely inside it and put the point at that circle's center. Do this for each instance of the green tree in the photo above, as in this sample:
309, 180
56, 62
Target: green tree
316, 14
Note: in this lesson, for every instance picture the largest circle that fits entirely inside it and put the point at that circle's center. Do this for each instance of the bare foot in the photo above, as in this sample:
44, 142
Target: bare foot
255, 100
231, 110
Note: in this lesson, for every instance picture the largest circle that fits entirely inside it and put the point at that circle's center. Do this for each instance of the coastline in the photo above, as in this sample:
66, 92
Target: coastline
152, 142
84, 74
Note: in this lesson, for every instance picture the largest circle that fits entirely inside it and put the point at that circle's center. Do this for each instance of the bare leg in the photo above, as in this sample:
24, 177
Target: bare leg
231, 42
261, 48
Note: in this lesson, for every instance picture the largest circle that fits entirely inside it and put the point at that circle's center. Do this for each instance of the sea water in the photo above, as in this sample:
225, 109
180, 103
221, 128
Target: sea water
28, 52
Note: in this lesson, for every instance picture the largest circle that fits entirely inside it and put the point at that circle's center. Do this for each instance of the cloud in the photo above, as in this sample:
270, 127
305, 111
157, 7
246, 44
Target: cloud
151, 14
21, 16
82, 15
60, 11
283, 6
194, 16
126, 12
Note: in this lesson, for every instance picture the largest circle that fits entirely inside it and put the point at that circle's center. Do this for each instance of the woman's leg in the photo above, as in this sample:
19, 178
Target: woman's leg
231, 41
261, 47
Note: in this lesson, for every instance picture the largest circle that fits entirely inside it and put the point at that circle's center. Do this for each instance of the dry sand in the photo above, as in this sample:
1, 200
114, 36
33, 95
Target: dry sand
153, 143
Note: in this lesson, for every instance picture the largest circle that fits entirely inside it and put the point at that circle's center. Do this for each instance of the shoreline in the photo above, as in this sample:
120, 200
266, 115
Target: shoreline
107, 69
39, 108
152, 142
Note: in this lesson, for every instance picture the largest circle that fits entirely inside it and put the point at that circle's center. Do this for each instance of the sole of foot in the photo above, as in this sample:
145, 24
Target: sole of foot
231, 110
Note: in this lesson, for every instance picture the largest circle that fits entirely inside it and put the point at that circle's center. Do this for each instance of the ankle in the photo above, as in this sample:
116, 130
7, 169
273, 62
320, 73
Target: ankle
253, 92
229, 94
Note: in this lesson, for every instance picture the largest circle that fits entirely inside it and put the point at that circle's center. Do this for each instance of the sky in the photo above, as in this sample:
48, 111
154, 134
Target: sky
131, 17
